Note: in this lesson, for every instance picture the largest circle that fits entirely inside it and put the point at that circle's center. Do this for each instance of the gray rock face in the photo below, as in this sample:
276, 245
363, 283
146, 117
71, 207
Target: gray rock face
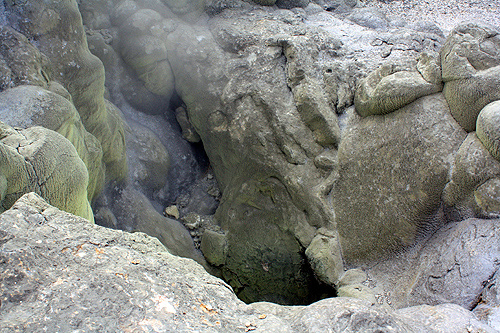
453, 266
471, 71
388, 189
92, 279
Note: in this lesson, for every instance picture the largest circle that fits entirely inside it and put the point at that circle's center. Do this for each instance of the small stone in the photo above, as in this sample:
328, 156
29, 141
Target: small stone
172, 211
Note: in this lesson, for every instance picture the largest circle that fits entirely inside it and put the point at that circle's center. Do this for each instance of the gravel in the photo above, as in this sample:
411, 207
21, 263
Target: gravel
446, 14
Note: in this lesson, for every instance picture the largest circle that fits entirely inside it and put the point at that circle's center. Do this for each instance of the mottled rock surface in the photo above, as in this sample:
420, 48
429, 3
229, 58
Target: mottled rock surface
60, 273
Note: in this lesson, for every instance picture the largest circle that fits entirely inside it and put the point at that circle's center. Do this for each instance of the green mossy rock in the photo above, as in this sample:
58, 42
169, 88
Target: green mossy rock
57, 30
25, 106
488, 128
40, 160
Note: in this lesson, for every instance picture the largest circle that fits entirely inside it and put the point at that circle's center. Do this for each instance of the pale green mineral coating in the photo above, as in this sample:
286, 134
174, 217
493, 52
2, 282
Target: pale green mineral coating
43, 161
488, 128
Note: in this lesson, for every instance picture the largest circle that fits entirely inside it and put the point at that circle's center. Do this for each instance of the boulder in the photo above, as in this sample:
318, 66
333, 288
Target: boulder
136, 284
393, 86
473, 167
389, 190
40, 160
470, 60
21, 62
460, 256
488, 128
26, 106
57, 30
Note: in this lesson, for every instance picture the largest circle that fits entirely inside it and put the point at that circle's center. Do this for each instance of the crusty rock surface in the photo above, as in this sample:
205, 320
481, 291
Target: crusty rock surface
60, 273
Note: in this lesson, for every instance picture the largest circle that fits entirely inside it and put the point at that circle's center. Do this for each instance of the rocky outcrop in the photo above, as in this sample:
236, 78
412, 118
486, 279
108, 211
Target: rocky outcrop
471, 71
57, 30
388, 192
135, 284
40, 160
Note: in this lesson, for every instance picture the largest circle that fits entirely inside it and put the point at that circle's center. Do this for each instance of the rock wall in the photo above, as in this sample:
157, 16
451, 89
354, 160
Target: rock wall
334, 140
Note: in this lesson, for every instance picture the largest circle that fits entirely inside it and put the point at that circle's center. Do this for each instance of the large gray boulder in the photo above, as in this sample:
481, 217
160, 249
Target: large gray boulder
392, 171
92, 279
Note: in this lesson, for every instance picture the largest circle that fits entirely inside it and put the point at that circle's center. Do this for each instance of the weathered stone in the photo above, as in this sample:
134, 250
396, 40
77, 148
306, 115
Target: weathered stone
470, 60
40, 160
57, 30
460, 256
325, 259
214, 247
488, 128
137, 285
25, 106
487, 198
391, 87
380, 206
473, 165
488, 309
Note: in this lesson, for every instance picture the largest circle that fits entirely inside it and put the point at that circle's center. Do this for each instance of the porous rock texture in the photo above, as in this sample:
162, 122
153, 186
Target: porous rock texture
135, 284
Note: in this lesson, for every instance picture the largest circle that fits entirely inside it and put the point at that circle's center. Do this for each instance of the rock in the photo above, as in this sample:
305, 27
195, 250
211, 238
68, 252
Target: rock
459, 256
188, 131
245, 104
488, 128
172, 211
136, 284
369, 17
380, 206
150, 161
353, 276
135, 212
40, 160
142, 48
21, 63
56, 28
487, 198
214, 247
325, 258
471, 71
473, 166
444, 318
488, 308
391, 87
289, 4
25, 106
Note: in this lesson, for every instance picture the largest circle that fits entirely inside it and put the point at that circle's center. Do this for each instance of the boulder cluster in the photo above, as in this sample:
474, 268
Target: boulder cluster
296, 149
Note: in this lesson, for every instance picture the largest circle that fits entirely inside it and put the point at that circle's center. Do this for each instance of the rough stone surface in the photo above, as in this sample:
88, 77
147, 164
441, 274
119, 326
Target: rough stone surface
25, 106
473, 166
470, 60
56, 28
40, 160
461, 256
380, 205
488, 128
135, 284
